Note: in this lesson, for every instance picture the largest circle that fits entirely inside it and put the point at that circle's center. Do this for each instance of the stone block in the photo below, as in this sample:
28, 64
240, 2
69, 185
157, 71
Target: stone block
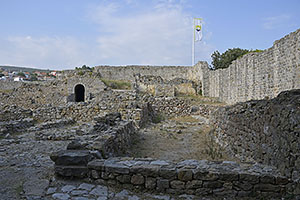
267, 179
212, 184
205, 175
177, 184
264, 187
243, 185
150, 183
72, 157
71, 171
253, 178
224, 192
95, 174
203, 191
168, 173
194, 184
146, 170
117, 168
124, 178
137, 179
105, 175
185, 174
162, 184
228, 176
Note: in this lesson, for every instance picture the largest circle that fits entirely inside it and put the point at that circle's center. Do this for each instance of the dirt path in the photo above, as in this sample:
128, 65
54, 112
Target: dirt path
178, 139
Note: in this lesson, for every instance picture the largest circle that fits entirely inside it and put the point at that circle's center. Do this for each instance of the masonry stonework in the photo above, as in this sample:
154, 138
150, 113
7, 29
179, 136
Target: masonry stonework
257, 75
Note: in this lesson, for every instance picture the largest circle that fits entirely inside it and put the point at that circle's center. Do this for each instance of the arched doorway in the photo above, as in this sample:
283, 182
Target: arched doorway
79, 93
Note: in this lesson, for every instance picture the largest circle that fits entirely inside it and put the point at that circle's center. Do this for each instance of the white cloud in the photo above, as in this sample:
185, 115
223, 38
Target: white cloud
45, 52
160, 35
276, 22
157, 35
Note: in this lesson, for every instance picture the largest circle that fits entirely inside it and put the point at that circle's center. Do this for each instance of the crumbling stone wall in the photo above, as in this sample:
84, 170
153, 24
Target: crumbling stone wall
266, 131
15, 126
157, 86
9, 113
90, 80
193, 73
257, 75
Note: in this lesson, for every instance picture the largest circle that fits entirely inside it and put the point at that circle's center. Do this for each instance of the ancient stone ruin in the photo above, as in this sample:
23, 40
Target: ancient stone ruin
88, 125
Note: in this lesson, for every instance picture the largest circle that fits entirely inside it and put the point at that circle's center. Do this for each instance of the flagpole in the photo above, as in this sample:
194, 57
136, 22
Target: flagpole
193, 44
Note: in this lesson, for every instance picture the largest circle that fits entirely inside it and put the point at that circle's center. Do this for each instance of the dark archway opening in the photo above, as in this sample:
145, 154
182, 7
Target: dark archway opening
79, 93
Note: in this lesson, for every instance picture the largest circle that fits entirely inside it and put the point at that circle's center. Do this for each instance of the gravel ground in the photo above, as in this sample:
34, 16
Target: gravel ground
26, 172
178, 139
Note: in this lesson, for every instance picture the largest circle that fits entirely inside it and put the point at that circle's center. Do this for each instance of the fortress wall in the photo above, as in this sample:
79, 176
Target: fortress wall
166, 72
258, 75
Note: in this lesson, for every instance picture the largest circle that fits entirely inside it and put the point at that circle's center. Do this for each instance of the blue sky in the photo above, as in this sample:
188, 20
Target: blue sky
64, 34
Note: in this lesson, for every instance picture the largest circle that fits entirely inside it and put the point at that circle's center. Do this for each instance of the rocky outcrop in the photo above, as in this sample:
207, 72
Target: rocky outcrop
267, 131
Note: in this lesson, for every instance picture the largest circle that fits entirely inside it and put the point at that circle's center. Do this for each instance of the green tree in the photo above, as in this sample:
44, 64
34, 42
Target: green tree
84, 67
33, 77
21, 74
221, 61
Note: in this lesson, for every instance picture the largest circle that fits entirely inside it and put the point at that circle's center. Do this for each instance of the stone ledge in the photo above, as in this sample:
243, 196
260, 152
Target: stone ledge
193, 177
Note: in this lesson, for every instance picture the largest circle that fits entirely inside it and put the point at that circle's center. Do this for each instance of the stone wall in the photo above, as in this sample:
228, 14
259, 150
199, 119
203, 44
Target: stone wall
257, 75
9, 113
15, 126
202, 178
157, 86
266, 131
166, 72
9, 85
90, 80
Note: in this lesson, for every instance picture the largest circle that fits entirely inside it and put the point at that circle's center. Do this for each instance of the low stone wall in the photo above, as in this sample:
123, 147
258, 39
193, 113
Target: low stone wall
202, 178
267, 131
157, 86
114, 135
173, 106
15, 126
9, 113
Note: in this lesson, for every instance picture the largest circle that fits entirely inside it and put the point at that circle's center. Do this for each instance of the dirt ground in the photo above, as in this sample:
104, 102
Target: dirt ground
178, 139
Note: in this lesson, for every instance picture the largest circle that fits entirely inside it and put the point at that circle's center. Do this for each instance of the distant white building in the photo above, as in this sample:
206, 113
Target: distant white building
18, 78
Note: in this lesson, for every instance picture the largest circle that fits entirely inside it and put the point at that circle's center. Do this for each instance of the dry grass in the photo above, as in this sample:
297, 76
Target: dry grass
117, 84
184, 119
198, 99
175, 141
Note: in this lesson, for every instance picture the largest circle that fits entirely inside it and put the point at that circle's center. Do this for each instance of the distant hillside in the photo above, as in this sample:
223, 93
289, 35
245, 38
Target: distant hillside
23, 69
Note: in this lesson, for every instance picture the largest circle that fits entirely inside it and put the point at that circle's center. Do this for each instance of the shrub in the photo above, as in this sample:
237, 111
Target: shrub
221, 61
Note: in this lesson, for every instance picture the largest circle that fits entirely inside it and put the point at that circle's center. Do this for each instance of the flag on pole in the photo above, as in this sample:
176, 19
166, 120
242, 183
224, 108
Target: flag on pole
197, 29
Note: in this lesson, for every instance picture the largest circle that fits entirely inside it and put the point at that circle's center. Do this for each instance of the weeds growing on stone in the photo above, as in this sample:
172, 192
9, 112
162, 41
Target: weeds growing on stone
117, 84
